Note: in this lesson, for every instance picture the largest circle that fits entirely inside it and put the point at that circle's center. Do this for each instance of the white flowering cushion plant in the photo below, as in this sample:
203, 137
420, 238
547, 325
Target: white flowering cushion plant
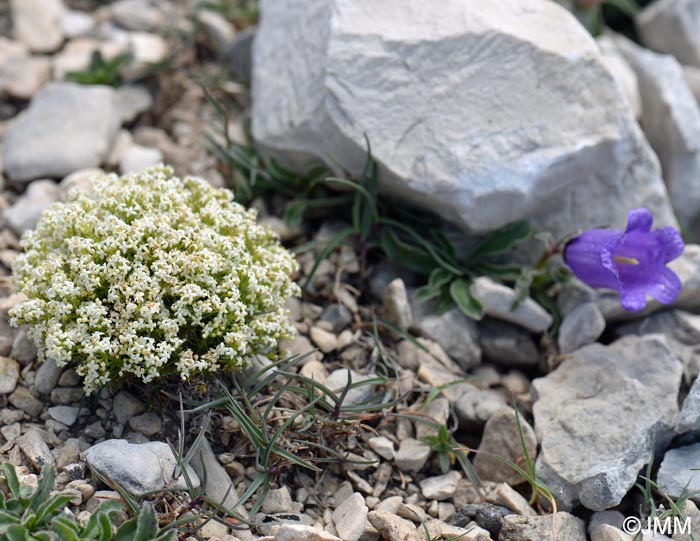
147, 276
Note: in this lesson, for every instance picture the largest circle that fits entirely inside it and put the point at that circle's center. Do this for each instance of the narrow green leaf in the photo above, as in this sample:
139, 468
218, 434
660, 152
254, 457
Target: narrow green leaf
427, 292
17, 533
126, 531
93, 526
220, 111
48, 508
7, 518
46, 483
11, 478
460, 291
503, 239
68, 529
339, 238
502, 272
440, 277
412, 257
170, 535
443, 242
294, 212
105, 527
444, 301
45, 536
146, 523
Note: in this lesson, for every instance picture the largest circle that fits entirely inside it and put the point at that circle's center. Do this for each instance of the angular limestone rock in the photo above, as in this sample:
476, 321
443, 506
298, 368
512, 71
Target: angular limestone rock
485, 112
600, 415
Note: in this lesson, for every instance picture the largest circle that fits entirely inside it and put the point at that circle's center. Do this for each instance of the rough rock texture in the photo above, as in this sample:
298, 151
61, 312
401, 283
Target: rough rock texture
37, 23
350, 517
498, 301
678, 474
137, 468
393, 527
581, 327
524, 138
506, 344
219, 485
672, 26
21, 74
622, 72
9, 375
605, 532
517, 528
27, 210
455, 332
689, 417
619, 400
671, 121
502, 439
682, 332
65, 128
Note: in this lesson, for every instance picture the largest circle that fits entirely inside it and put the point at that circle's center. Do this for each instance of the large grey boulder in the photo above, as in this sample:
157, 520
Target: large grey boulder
671, 121
66, 127
485, 112
600, 415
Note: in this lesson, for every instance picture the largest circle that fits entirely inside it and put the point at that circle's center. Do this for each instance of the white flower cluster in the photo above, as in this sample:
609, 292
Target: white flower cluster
148, 275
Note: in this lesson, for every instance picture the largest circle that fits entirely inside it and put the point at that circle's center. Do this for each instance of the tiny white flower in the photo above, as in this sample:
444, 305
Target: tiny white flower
148, 275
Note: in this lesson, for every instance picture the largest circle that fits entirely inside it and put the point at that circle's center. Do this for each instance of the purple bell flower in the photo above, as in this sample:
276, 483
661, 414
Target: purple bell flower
632, 261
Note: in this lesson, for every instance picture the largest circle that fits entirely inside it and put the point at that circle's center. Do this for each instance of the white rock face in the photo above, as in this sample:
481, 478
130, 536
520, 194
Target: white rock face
38, 23
137, 158
485, 112
678, 471
21, 74
622, 401
671, 121
65, 128
137, 15
76, 23
692, 78
672, 26
26, 211
137, 468
622, 72
498, 301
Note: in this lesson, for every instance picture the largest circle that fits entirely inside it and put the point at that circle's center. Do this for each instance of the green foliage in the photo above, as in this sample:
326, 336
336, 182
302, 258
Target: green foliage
416, 240
656, 510
37, 514
444, 445
102, 71
294, 418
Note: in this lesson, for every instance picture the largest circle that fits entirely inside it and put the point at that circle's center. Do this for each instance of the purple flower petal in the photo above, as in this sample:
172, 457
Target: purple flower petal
632, 262
633, 301
666, 288
584, 256
673, 243
639, 220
